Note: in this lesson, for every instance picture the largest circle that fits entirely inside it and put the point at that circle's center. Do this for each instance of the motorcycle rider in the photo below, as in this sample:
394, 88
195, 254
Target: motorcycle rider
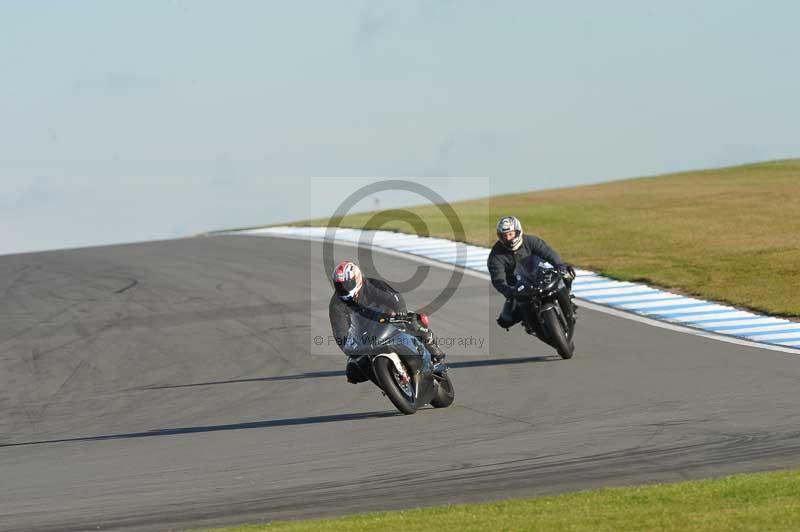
373, 299
511, 247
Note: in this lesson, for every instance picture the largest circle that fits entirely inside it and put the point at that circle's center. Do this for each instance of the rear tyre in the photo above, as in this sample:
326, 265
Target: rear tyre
401, 396
555, 329
444, 392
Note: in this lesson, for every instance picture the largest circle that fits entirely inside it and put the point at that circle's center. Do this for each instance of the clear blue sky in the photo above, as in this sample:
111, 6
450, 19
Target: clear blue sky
124, 121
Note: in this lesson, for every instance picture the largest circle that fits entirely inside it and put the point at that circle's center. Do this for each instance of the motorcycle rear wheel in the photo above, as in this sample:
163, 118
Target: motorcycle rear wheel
389, 377
558, 336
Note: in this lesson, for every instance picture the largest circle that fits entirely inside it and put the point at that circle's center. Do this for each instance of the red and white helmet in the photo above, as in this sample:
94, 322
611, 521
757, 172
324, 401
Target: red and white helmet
347, 280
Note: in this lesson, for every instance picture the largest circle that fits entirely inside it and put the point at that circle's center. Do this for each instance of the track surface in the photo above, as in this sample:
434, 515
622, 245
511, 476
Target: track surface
169, 385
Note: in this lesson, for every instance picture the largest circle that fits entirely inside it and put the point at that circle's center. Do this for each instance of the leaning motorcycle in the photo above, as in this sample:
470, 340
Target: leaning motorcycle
400, 364
546, 303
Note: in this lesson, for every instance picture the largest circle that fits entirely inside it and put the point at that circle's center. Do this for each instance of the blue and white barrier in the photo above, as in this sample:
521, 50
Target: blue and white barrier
634, 298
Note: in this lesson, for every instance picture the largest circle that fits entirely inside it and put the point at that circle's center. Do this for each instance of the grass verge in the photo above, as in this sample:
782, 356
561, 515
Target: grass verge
729, 234
757, 502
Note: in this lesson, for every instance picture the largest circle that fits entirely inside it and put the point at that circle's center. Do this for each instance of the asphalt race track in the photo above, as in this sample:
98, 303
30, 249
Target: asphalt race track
170, 385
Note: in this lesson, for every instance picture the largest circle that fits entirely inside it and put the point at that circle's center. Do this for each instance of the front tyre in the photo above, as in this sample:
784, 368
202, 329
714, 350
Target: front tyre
557, 335
399, 390
444, 392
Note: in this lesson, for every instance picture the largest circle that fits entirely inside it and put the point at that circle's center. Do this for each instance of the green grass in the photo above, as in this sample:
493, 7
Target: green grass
757, 502
729, 234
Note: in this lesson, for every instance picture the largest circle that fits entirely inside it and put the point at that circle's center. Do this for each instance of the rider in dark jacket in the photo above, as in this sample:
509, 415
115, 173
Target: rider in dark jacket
512, 247
373, 299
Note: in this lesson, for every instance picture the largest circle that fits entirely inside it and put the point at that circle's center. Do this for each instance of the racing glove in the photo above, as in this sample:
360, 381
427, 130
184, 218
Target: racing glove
566, 271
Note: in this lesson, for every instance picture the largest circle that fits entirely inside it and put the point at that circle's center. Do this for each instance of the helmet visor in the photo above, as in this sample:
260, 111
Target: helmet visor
347, 290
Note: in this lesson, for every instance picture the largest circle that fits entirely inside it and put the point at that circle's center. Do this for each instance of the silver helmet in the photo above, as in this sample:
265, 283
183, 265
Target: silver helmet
509, 224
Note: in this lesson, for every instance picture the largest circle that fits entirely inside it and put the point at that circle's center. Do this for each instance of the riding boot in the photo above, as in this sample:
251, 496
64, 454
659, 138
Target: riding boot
510, 315
354, 370
437, 355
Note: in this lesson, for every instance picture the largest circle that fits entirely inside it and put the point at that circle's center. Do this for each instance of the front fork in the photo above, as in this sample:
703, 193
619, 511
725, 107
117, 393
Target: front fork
567, 311
564, 310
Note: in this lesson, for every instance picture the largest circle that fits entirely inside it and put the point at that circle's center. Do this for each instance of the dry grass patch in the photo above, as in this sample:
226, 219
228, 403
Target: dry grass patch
729, 234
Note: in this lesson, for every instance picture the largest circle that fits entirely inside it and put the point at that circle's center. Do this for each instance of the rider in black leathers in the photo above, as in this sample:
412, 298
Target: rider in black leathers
512, 247
373, 299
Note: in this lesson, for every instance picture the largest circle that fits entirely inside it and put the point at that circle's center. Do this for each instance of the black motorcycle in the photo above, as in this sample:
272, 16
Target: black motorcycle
546, 303
400, 364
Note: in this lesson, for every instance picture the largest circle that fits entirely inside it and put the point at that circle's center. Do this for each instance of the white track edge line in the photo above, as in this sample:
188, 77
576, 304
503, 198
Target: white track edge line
585, 304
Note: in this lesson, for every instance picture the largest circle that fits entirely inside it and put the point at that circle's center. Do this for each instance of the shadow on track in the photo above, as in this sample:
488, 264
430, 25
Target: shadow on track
339, 373
288, 422
308, 375
501, 362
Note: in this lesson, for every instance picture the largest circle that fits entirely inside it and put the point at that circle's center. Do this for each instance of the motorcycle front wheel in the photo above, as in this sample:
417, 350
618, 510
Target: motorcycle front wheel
557, 334
400, 393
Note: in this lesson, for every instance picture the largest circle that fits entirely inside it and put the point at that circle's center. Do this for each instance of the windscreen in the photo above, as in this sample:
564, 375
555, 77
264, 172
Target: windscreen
528, 268
369, 331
